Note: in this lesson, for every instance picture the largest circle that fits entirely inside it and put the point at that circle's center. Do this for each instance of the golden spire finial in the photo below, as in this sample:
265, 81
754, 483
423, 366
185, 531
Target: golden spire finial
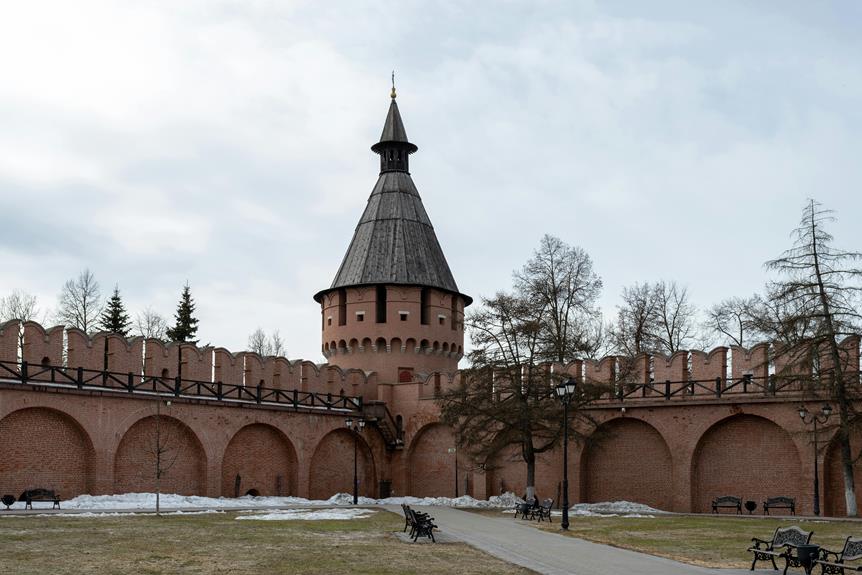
392, 94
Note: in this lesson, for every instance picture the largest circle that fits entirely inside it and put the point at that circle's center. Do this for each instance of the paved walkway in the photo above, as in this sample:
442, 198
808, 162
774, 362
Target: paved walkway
552, 554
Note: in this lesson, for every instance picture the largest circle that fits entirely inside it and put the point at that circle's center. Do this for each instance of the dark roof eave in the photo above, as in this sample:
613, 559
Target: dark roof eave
319, 295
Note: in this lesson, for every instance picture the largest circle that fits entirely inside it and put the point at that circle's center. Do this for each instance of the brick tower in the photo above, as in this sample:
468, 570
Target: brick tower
393, 306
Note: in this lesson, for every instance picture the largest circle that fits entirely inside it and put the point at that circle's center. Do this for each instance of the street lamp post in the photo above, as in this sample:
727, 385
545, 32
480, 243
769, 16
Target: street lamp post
355, 427
809, 418
565, 393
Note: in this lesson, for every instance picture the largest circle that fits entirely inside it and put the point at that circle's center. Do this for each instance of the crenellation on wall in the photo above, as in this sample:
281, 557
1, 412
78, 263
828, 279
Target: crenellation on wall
706, 366
41, 346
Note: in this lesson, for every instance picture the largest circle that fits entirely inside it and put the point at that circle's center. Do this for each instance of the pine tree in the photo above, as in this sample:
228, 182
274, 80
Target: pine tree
114, 317
186, 325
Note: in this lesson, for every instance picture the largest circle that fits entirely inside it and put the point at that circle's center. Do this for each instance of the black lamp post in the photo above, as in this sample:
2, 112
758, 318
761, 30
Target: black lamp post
355, 427
809, 418
565, 392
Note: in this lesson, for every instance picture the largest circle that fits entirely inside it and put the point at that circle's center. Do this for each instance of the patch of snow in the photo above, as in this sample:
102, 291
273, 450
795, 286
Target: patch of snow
613, 509
309, 515
147, 501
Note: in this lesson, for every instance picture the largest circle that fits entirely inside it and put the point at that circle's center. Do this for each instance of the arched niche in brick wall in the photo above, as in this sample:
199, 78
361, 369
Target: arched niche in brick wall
332, 466
263, 458
183, 458
432, 465
45, 448
627, 459
832, 488
746, 456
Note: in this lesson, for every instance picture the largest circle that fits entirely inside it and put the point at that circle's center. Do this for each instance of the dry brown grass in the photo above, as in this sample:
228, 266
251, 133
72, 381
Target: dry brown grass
218, 544
706, 540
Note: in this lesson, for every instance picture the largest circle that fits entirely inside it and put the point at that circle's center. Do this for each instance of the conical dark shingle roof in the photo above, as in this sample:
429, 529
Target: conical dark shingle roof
394, 242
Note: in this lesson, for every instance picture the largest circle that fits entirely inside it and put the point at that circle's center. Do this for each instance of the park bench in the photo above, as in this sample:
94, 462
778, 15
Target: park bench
779, 503
540, 512
31, 495
852, 551
422, 525
727, 501
525, 509
783, 545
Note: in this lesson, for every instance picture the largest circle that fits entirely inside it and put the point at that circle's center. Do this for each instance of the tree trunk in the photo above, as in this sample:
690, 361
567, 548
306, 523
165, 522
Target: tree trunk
849, 484
530, 459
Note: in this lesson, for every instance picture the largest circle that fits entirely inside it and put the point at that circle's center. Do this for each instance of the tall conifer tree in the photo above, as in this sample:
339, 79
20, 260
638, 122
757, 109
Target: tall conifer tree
114, 317
186, 325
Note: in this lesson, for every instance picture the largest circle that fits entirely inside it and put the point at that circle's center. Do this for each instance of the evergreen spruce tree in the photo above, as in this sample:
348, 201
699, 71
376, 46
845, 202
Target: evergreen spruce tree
114, 317
186, 325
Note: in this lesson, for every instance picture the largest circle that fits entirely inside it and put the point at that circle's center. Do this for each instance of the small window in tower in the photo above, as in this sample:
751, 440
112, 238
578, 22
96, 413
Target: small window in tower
381, 304
441, 319
403, 315
360, 316
329, 320
342, 307
425, 301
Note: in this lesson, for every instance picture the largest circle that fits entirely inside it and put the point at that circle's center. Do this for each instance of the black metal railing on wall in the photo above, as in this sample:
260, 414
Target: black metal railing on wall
80, 378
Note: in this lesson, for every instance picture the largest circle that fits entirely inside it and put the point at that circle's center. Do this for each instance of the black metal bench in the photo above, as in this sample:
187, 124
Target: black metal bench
31, 495
779, 503
543, 511
727, 501
852, 551
782, 545
422, 525
525, 509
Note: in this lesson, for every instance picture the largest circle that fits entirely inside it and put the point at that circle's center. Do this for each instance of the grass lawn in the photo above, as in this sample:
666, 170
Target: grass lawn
707, 540
218, 543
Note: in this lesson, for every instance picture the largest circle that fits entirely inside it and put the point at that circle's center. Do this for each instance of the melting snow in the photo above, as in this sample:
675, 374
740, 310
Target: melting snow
309, 515
147, 501
613, 509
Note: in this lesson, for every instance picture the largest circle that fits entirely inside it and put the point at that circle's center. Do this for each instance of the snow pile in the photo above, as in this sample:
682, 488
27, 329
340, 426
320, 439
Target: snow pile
172, 501
613, 509
309, 515
147, 501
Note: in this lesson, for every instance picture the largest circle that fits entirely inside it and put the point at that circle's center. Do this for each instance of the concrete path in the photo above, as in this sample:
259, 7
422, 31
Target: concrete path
549, 553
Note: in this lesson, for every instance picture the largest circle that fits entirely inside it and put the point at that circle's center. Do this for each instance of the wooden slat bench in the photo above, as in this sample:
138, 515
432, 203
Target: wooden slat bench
835, 563
32, 495
782, 545
543, 511
779, 503
728, 502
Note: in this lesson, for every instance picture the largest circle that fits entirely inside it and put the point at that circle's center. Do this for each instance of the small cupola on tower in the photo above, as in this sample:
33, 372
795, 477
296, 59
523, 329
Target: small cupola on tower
394, 307
393, 148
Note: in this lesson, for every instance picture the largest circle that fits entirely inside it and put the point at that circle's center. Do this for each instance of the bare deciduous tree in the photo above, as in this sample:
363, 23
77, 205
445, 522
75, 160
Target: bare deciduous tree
18, 305
161, 448
149, 324
559, 279
80, 302
734, 321
505, 399
654, 318
264, 345
676, 317
636, 327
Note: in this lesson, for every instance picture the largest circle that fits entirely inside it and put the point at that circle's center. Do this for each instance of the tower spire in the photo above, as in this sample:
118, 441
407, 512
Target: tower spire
392, 94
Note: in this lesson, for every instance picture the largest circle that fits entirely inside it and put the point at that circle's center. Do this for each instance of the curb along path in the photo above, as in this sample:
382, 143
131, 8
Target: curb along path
550, 553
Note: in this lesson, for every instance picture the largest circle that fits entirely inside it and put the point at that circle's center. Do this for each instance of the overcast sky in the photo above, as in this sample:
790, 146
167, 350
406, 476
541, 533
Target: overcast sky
227, 143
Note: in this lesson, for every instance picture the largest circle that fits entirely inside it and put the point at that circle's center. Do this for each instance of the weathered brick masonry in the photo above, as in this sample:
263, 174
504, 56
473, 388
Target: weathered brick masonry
392, 329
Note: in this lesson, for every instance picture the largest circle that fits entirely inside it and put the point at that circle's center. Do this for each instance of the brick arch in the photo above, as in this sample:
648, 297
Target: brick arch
135, 463
431, 466
45, 448
833, 504
747, 456
627, 459
265, 460
331, 469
